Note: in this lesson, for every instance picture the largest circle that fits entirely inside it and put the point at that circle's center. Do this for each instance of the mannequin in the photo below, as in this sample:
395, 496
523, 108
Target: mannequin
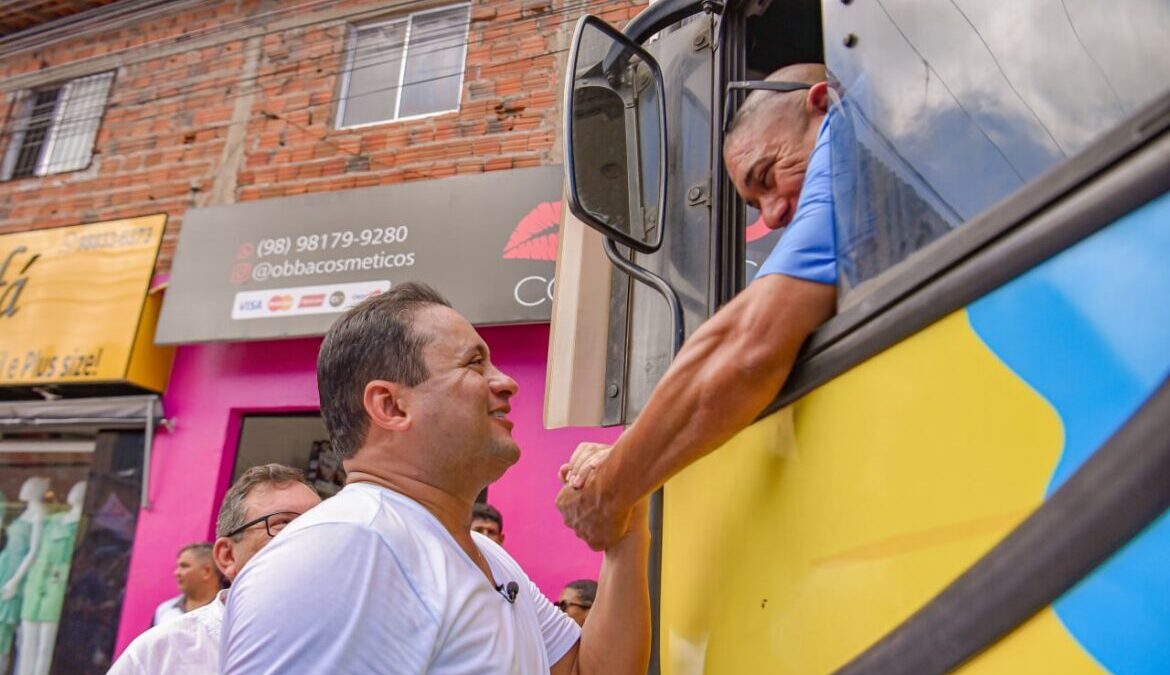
24, 537
44, 587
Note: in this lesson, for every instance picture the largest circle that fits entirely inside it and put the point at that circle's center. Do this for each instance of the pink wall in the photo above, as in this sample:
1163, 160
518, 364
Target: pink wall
213, 386
535, 534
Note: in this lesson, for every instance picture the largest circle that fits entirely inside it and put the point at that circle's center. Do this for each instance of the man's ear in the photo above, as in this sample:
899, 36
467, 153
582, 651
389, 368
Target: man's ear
383, 401
817, 100
225, 557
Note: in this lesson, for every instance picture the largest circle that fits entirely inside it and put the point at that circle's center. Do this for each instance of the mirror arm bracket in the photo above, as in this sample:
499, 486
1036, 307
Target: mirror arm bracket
656, 282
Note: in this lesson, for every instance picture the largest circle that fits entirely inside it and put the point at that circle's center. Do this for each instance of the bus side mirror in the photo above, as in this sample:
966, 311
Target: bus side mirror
615, 126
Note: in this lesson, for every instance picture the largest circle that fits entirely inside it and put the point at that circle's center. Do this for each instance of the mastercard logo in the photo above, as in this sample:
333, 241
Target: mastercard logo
280, 303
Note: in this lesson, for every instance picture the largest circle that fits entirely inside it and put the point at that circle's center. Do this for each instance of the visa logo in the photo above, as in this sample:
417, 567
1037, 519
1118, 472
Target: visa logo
251, 305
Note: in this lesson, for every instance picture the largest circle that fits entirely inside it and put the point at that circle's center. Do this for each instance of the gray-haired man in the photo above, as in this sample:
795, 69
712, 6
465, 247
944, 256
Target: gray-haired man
254, 510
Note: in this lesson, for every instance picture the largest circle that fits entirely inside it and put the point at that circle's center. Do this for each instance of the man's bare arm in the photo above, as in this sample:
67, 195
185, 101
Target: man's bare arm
616, 638
726, 373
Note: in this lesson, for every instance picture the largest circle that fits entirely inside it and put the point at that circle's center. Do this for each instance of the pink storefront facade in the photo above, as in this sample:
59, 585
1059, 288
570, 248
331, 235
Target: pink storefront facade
215, 387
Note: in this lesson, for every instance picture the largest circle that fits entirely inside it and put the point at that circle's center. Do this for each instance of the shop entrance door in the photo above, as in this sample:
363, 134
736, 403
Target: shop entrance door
296, 440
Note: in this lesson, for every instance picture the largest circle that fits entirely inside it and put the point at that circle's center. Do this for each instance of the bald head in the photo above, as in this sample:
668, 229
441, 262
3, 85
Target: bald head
769, 141
777, 108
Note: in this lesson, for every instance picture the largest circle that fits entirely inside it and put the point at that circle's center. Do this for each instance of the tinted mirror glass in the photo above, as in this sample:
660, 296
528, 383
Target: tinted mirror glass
943, 113
614, 127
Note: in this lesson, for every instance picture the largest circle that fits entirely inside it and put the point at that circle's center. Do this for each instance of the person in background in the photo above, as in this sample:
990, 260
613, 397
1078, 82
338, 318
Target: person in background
486, 520
198, 582
577, 599
258, 506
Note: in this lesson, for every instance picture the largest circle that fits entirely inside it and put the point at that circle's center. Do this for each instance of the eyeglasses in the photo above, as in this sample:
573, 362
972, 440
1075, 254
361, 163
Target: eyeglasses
564, 605
751, 85
273, 523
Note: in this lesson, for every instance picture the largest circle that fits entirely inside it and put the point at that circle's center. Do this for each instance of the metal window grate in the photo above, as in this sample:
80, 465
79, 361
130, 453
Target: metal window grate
56, 128
34, 131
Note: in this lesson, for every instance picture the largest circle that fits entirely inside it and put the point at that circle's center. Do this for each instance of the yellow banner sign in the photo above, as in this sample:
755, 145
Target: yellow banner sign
73, 301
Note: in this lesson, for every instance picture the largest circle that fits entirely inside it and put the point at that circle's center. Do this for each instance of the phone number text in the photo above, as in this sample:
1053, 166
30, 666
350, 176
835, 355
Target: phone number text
327, 241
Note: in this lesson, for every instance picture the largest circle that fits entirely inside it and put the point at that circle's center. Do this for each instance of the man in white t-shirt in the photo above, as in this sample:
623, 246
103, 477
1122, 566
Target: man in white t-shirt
387, 576
261, 503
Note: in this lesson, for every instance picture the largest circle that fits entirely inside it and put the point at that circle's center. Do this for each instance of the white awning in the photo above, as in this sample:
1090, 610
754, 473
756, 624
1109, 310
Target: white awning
89, 415
115, 412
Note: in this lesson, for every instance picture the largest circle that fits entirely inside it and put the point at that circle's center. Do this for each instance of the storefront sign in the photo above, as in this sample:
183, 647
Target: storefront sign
73, 301
291, 266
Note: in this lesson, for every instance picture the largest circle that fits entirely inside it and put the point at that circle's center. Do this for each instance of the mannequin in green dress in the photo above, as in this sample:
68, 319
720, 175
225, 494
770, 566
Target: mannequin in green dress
24, 535
44, 587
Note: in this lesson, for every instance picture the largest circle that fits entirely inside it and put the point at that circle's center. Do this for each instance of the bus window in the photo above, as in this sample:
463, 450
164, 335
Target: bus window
944, 109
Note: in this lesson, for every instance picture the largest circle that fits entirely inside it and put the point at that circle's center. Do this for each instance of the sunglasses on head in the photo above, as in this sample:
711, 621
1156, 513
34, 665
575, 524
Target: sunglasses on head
755, 85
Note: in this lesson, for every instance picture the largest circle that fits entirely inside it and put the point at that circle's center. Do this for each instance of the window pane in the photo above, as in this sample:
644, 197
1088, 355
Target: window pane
20, 114
371, 90
434, 62
948, 108
79, 114
760, 241
34, 129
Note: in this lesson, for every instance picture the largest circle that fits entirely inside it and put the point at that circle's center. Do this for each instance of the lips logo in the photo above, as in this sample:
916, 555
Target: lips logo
280, 303
535, 236
757, 230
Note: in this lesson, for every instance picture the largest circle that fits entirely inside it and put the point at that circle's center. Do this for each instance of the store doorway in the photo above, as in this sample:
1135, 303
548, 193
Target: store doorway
296, 440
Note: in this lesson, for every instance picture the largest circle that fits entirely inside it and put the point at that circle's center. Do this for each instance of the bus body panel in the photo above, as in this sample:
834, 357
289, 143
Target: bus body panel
823, 526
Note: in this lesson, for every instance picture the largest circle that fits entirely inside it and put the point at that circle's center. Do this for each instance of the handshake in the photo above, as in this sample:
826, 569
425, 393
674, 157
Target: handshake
591, 503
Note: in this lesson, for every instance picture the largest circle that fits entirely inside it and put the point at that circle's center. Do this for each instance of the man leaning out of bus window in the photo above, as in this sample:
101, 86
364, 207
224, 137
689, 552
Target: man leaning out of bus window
777, 154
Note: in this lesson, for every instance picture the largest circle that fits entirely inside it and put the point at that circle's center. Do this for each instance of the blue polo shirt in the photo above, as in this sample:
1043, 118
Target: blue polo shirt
807, 250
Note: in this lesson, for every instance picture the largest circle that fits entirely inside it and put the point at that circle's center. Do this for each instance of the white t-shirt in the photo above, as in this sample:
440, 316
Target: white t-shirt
371, 582
168, 610
189, 645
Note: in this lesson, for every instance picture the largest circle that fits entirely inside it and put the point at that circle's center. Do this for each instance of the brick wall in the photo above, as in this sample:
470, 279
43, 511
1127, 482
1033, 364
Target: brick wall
215, 103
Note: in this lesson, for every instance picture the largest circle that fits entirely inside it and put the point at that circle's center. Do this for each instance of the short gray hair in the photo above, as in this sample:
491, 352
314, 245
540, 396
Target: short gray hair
233, 513
201, 550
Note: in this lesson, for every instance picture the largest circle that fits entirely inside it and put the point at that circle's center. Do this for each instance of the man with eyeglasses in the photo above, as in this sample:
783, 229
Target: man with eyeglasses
258, 506
577, 599
776, 151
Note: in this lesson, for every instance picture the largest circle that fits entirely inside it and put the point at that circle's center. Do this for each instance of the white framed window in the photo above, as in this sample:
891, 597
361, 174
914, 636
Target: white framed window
406, 67
54, 128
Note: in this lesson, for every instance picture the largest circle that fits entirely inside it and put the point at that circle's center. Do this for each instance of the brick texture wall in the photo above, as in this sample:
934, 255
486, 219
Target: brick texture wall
215, 103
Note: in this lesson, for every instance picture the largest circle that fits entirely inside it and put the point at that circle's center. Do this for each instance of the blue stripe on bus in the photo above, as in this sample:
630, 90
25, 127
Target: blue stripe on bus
1089, 330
